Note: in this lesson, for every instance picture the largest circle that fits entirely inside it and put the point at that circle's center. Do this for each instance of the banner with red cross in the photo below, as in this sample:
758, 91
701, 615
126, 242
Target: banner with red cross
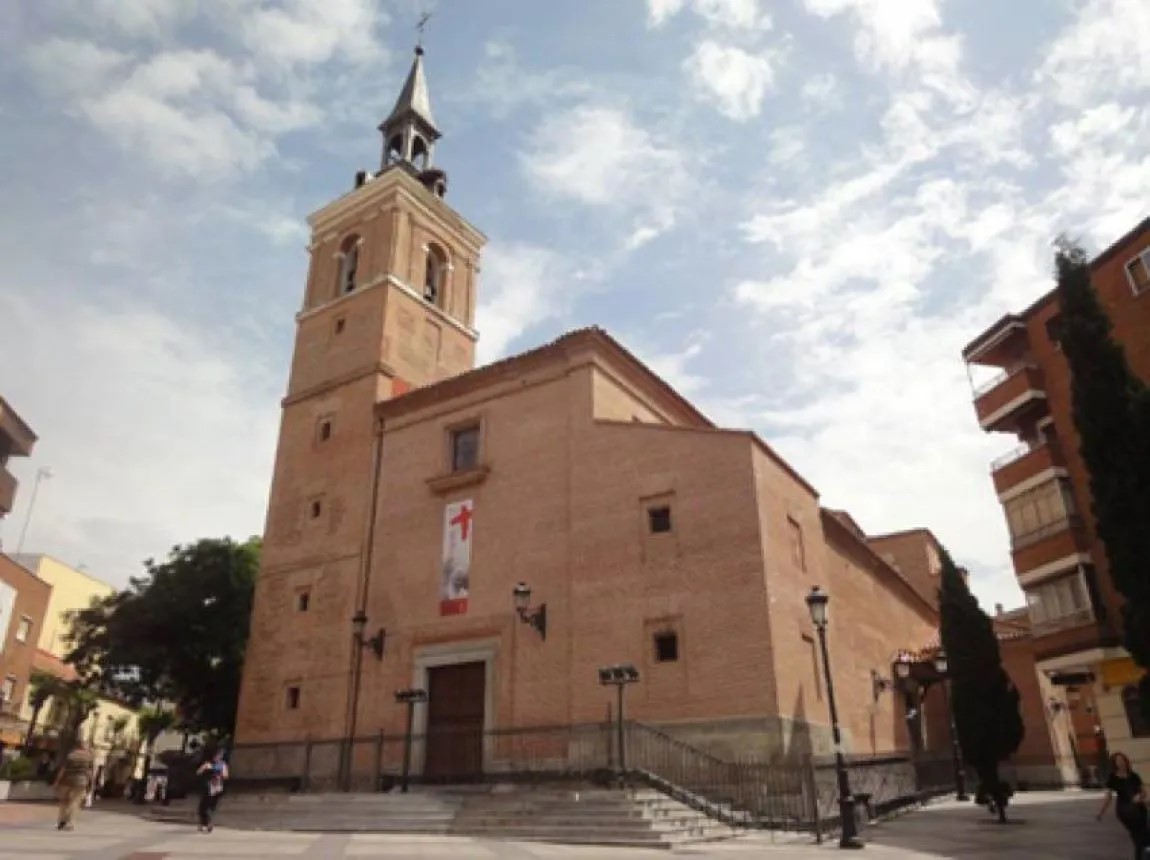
455, 584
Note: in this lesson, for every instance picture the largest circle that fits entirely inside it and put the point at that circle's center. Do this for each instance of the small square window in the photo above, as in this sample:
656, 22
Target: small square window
303, 601
465, 449
293, 698
316, 509
325, 429
24, 629
659, 519
667, 647
1138, 272
340, 325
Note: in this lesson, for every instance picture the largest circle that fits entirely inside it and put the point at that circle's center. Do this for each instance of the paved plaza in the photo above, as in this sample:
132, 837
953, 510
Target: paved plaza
1054, 827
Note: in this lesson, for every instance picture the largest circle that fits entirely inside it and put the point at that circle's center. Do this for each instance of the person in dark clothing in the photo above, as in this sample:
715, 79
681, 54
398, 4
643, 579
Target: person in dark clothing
1125, 785
213, 772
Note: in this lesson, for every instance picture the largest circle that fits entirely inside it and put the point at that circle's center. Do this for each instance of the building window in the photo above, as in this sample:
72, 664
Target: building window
1138, 271
316, 508
24, 629
798, 551
1054, 331
340, 325
8, 691
348, 264
293, 698
659, 519
465, 449
1059, 603
434, 274
303, 601
1132, 702
1041, 511
667, 647
323, 431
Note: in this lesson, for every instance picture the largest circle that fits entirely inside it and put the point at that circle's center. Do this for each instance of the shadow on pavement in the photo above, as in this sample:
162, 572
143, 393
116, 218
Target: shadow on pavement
1049, 825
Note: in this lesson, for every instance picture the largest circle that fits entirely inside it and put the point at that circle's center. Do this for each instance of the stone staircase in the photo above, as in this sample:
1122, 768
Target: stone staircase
585, 816
578, 815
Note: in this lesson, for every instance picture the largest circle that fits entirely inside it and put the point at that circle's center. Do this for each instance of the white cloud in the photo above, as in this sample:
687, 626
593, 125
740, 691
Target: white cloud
141, 18
306, 33
602, 156
728, 14
73, 66
1102, 55
734, 80
505, 85
523, 285
157, 432
672, 365
822, 90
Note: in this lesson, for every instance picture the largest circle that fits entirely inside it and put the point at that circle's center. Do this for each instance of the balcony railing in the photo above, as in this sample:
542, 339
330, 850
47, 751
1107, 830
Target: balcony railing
1001, 377
1067, 523
1062, 622
1013, 456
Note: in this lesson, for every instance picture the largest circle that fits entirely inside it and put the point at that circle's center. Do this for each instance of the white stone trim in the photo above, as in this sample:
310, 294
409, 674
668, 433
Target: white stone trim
993, 418
427, 657
435, 309
1053, 569
1085, 659
1043, 477
374, 283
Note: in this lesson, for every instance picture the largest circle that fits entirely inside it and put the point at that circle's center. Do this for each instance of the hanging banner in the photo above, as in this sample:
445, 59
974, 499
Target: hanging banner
455, 585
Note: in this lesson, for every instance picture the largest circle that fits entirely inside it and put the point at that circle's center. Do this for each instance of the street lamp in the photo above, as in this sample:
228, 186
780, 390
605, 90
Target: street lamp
817, 604
411, 698
537, 619
619, 677
41, 474
359, 643
942, 667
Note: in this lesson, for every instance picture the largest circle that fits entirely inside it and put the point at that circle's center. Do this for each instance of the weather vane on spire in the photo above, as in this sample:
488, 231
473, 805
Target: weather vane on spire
420, 27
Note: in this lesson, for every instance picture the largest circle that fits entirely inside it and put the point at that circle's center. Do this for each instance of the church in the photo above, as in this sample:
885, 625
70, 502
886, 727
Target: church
492, 537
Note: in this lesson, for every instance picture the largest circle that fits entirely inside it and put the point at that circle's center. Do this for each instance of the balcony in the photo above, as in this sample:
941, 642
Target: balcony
1048, 544
1070, 634
1025, 462
7, 491
1016, 391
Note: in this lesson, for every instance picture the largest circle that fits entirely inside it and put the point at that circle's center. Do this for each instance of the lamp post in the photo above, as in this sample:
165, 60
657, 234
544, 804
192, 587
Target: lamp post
537, 619
41, 474
942, 666
359, 643
619, 677
817, 604
411, 698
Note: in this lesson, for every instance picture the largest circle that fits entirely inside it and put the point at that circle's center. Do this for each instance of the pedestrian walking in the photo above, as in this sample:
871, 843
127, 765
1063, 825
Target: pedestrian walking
214, 772
1125, 785
72, 783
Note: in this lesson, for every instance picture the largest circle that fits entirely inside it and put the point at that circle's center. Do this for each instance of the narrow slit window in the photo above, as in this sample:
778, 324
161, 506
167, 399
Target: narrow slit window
316, 509
303, 601
324, 429
340, 325
293, 698
659, 519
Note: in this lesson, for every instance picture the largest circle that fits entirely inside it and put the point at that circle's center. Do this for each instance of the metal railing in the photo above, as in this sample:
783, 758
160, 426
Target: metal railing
1001, 377
787, 792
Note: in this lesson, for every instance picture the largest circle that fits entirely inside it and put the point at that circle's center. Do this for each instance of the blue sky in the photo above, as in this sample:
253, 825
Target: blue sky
797, 211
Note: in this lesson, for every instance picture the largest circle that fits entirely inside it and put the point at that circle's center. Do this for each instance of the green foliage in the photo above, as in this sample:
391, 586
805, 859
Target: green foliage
176, 634
987, 715
153, 723
1111, 408
18, 769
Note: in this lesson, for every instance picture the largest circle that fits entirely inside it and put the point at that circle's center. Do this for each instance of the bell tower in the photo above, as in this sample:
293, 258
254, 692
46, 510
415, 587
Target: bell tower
389, 305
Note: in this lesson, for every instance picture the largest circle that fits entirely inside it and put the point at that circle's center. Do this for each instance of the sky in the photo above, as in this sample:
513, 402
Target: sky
796, 211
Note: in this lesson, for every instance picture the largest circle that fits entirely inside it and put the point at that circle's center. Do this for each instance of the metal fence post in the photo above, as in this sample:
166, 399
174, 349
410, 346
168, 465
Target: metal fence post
379, 762
813, 790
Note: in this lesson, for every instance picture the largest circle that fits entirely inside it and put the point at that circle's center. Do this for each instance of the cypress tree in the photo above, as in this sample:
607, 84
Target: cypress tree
1111, 409
985, 701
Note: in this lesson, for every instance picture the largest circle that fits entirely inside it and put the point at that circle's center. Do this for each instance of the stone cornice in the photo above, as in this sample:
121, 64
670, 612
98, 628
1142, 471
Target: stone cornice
379, 367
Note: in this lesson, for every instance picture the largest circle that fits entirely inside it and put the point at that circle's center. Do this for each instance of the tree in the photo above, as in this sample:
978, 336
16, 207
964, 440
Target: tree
44, 688
176, 634
985, 701
1111, 409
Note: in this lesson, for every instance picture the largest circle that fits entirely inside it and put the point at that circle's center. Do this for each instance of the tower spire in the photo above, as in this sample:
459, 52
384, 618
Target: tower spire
409, 132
